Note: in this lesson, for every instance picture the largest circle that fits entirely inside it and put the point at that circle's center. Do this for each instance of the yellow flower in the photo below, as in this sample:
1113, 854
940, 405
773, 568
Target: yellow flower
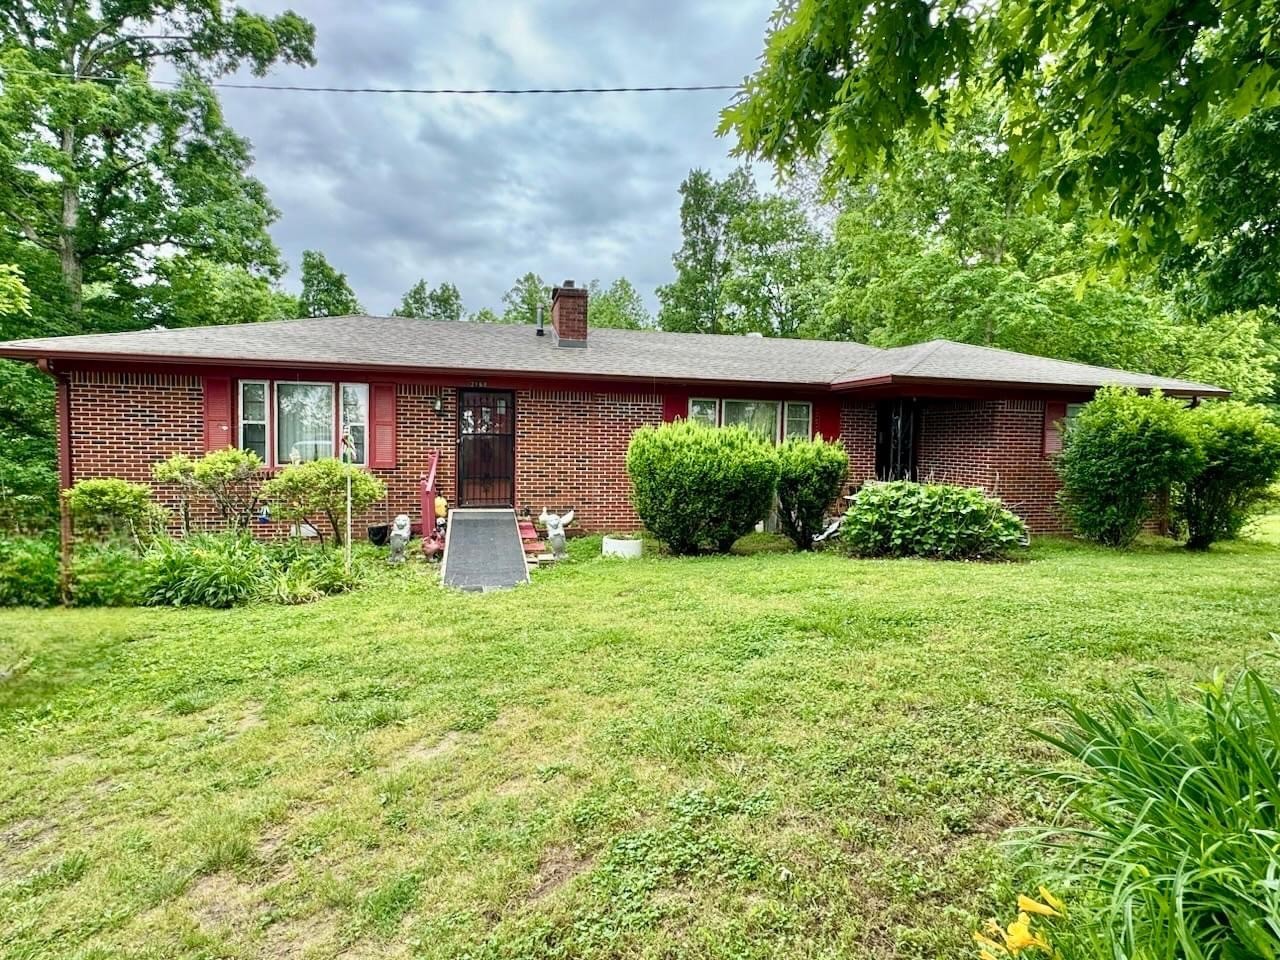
987, 944
1027, 905
986, 955
1053, 901
1019, 936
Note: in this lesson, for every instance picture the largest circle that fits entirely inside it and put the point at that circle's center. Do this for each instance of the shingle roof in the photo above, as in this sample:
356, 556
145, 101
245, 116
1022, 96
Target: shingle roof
401, 343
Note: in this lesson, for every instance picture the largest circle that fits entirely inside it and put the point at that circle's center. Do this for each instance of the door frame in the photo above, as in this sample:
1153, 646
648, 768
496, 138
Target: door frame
461, 477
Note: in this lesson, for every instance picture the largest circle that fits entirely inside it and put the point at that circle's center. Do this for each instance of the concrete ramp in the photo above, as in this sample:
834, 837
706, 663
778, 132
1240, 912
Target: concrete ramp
483, 550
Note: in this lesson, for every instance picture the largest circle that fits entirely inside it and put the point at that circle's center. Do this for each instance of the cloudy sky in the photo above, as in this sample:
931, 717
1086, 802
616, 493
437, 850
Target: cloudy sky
477, 190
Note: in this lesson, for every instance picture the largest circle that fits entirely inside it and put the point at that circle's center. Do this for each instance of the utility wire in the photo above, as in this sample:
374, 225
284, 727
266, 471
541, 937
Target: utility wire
431, 91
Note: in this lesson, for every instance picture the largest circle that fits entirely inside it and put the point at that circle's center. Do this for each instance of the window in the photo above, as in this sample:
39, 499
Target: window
253, 417
1073, 410
355, 420
705, 411
304, 421
799, 420
758, 415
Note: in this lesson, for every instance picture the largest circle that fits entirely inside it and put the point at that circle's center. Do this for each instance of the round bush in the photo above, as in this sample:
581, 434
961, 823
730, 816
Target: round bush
1118, 455
1241, 448
694, 485
811, 474
903, 519
28, 572
107, 576
111, 508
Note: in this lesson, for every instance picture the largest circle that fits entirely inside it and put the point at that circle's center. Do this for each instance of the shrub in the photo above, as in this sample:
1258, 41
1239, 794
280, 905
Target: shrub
109, 508
692, 484
1241, 459
28, 572
904, 519
227, 477
205, 570
107, 576
1119, 453
305, 492
1171, 821
811, 475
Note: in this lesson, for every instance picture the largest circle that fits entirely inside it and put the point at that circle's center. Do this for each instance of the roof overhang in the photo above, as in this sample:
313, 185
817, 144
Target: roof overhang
887, 384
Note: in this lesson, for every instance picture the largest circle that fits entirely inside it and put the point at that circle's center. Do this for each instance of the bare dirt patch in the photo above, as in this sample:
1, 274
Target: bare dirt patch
250, 719
424, 751
300, 937
220, 901
559, 865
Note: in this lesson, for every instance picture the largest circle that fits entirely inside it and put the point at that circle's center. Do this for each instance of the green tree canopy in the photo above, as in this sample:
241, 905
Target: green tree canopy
1101, 96
442, 303
325, 291
520, 303
102, 168
619, 306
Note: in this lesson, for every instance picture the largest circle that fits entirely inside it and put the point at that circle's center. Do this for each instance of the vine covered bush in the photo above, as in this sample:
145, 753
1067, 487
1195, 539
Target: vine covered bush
1119, 454
811, 474
694, 485
939, 521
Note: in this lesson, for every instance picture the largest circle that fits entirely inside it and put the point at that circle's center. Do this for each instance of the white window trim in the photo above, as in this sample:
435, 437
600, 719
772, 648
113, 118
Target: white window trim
711, 400
342, 422
781, 426
808, 407
268, 406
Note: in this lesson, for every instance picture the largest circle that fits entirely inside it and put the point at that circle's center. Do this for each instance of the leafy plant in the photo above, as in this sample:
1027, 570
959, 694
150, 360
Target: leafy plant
1180, 805
692, 484
227, 477
1241, 460
304, 492
28, 572
904, 519
1118, 454
107, 576
110, 508
205, 570
811, 474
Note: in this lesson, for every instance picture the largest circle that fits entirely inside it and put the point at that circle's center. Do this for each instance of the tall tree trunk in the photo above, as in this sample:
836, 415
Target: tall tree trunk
72, 271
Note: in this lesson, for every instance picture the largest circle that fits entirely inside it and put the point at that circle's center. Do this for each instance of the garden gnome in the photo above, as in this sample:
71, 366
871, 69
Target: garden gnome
555, 525
400, 534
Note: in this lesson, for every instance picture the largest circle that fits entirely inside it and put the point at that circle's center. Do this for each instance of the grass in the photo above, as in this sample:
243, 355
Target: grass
749, 756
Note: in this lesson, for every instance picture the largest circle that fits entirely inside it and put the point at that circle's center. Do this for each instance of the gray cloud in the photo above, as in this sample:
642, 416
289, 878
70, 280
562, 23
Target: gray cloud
478, 190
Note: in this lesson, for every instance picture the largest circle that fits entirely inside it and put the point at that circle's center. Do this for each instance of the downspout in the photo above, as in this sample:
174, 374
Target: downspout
62, 408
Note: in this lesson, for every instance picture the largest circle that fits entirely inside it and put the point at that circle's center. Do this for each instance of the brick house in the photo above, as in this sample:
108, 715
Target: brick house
535, 418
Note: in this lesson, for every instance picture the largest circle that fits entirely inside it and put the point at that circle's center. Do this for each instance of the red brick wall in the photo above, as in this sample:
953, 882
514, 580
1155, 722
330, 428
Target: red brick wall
570, 445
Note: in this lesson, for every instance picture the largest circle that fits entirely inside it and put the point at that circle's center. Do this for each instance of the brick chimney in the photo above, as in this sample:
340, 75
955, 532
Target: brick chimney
569, 315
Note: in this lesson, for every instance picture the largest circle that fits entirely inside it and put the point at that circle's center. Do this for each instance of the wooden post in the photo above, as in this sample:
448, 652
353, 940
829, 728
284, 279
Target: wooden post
62, 403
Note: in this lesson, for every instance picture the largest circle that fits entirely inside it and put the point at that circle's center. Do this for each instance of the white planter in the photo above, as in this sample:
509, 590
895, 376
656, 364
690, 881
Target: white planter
620, 547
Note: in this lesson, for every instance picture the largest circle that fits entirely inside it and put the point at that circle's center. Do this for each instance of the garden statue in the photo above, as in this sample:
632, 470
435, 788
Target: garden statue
555, 525
400, 533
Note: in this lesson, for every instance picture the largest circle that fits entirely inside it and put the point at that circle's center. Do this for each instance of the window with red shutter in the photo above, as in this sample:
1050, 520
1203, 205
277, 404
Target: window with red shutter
1055, 411
217, 414
382, 453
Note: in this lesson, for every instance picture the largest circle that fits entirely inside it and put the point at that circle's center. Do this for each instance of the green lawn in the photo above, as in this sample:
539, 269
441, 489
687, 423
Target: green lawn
760, 756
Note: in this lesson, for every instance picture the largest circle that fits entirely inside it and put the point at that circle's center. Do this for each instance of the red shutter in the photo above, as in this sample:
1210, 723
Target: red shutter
382, 451
1055, 411
826, 418
218, 431
675, 406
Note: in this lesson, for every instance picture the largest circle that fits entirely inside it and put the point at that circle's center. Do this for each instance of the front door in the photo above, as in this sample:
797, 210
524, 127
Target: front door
486, 448
897, 435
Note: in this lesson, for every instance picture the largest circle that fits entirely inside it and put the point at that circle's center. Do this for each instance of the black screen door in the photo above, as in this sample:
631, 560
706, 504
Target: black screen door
486, 448
897, 435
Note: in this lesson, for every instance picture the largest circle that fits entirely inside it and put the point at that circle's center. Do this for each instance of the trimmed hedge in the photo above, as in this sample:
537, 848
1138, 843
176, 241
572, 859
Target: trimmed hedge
811, 474
938, 521
694, 485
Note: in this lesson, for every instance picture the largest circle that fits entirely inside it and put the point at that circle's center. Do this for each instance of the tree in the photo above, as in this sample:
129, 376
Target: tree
14, 296
618, 306
484, 315
1241, 461
776, 259
103, 168
304, 492
194, 292
325, 291
521, 302
1100, 96
694, 302
442, 303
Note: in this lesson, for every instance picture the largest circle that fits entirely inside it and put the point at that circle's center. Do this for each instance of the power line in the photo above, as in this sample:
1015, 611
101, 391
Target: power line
429, 91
